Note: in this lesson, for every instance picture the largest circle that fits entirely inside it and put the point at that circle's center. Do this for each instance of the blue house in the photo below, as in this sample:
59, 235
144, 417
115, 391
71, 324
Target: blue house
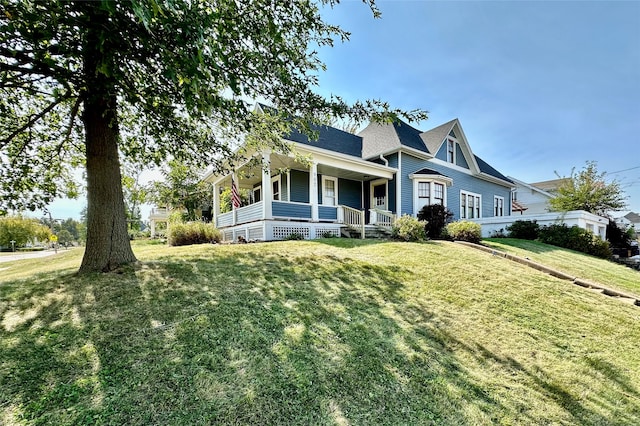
354, 182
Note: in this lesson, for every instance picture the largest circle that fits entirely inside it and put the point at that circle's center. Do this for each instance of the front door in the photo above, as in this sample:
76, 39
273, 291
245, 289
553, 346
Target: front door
379, 194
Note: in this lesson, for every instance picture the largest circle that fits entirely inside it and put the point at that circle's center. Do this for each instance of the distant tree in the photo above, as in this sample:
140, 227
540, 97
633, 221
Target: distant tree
588, 190
65, 238
84, 82
21, 231
135, 194
181, 188
225, 199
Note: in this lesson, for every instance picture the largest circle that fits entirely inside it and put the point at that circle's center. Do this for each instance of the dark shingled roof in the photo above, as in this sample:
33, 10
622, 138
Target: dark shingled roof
409, 136
330, 138
429, 172
486, 168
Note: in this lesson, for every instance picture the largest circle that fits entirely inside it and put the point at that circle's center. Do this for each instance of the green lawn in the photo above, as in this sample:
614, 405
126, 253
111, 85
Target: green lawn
335, 332
601, 271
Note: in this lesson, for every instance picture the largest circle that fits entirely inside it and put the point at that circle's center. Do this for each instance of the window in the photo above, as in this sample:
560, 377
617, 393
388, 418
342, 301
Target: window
470, 205
423, 190
498, 206
329, 191
257, 193
438, 193
275, 186
450, 151
427, 191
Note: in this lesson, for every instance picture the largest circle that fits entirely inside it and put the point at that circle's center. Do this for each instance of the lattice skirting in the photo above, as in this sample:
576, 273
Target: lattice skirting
280, 230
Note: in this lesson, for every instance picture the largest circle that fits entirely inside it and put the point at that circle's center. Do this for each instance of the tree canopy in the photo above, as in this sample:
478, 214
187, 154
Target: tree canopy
84, 83
588, 190
21, 231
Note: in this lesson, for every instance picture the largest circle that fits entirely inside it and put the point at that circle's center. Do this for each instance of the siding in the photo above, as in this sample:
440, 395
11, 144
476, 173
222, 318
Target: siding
350, 193
327, 213
299, 186
283, 209
442, 152
461, 181
460, 160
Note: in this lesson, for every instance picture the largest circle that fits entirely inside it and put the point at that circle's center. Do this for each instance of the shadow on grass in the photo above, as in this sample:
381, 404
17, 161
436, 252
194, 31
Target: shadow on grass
247, 339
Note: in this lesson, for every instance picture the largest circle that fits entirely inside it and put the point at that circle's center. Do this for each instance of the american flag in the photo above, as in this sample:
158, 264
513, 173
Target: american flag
235, 195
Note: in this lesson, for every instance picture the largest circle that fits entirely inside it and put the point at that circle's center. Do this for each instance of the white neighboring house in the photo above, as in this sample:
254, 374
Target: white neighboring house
630, 219
530, 199
531, 202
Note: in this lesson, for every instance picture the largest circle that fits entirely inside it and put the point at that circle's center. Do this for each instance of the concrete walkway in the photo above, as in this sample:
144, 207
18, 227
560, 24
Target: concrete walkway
21, 255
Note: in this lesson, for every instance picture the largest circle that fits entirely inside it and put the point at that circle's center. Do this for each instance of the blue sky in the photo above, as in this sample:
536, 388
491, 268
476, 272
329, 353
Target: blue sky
539, 87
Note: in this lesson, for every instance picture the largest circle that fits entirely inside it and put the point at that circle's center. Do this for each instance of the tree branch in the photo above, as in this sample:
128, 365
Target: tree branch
33, 119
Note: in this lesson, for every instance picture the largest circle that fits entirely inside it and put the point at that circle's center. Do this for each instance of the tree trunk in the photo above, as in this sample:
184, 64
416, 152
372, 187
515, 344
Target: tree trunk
108, 245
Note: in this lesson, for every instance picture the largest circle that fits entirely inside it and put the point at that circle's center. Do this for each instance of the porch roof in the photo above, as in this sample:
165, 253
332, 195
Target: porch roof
329, 163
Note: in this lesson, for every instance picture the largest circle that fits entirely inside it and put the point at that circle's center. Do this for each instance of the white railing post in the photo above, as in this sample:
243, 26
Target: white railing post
267, 189
215, 209
362, 224
340, 214
373, 216
313, 191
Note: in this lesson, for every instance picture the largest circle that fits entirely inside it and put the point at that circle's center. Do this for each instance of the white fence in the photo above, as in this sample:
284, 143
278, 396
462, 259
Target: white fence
580, 218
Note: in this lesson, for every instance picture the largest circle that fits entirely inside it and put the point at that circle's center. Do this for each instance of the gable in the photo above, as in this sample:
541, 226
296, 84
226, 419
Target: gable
381, 138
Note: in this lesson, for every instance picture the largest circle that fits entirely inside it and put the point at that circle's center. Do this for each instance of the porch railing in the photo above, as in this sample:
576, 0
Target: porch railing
353, 218
381, 218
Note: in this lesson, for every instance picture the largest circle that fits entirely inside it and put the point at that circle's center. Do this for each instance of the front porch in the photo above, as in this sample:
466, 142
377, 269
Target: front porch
284, 197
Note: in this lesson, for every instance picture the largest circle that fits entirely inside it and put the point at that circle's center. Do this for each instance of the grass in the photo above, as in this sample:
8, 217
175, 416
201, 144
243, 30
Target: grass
572, 262
330, 332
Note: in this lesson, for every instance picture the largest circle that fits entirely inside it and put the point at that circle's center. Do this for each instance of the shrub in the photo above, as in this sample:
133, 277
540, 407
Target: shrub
182, 234
409, 228
294, 237
575, 238
437, 216
524, 229
463, 230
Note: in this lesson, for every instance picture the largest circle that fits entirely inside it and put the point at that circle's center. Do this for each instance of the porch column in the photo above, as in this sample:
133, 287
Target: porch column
215, 209
399, 186
267, 189
152, 225
313, 191
234, 216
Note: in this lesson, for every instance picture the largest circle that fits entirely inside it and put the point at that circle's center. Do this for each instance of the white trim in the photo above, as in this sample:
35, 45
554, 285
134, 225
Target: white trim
335, 189
253, 192
266, 195
531, 187
386, 192
313, 190
276, 178
432, 176
399, 186
412, 151
347, 162
454, 142
477, 209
